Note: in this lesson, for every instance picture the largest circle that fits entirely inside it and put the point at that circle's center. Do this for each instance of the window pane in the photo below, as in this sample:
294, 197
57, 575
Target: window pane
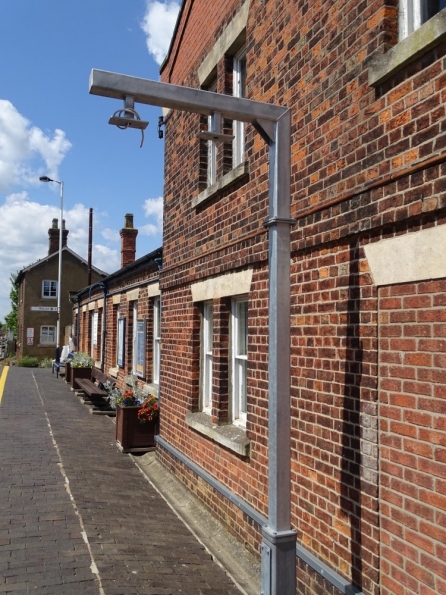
48, 334
239, 360
212, 147
208, 338
429, 8
49, 289
242, 316
239, 90
242, 386
156, 339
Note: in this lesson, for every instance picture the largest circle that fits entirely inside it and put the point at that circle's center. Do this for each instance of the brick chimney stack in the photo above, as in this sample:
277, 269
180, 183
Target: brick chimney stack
128, 241
53, 234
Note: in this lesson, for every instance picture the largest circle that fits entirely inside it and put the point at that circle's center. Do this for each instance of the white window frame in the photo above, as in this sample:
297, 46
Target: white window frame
239, 344
120, 341
207, 357
52, 288
156, 340
47, 335
239, 90
94, 332
212, 148
135, 337
412, 14
101, 342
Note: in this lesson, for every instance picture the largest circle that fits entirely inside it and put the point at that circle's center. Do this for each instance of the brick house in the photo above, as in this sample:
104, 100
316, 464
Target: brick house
37, 290
366, 86
128, 342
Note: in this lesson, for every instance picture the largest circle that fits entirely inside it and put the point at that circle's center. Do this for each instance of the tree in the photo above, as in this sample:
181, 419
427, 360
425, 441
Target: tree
11, 318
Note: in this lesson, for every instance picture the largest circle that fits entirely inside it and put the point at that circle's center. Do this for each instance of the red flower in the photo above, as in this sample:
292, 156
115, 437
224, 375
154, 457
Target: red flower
149, 409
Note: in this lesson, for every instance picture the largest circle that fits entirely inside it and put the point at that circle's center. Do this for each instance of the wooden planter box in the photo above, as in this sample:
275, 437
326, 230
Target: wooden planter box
79, 373
131, 434
68, 372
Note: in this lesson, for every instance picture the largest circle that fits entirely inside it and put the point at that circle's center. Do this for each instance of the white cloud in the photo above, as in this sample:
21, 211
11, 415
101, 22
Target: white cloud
153, 208
24, 224
106, 259
112, 235
26, 151
158, 25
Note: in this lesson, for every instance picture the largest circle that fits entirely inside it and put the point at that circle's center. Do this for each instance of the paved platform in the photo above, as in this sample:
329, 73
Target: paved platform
78, 516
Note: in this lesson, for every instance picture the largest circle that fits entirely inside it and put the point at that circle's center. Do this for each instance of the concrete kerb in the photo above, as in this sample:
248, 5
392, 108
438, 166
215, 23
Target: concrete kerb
226, 551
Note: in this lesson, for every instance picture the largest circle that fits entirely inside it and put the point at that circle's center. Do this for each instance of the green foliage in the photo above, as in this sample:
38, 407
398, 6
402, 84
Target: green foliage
47, 362
81, 360
11, 318
28, 362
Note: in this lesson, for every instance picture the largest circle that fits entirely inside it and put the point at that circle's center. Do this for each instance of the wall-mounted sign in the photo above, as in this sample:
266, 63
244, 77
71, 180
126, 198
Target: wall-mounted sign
140, 348
30, 333
29, 340
44, 308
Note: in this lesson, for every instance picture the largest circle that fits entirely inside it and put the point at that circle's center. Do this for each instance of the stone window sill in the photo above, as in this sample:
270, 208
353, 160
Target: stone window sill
232, 437
230, 178
430, 34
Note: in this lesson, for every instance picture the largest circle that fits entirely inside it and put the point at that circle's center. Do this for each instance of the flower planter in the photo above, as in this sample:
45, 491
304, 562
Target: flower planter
79, 373
131, 434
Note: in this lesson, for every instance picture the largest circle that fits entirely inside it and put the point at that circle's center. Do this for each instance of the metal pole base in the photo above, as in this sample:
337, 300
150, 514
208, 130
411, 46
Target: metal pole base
278, 562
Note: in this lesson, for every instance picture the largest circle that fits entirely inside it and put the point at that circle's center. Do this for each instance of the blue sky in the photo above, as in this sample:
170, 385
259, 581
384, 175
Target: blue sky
50, 125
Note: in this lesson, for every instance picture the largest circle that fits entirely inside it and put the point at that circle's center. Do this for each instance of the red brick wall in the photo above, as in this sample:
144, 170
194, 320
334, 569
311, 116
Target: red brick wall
198, 30
412, 359
139, 279
357, 177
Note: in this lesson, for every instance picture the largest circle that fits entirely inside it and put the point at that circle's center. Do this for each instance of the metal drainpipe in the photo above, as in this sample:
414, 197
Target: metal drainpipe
278, 572
274, 124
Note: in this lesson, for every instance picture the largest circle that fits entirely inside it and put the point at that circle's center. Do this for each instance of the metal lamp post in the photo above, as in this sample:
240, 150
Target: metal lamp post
273, 122
59, 274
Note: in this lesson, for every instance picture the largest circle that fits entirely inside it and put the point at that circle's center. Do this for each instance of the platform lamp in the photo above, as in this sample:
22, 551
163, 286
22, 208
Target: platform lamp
59, 275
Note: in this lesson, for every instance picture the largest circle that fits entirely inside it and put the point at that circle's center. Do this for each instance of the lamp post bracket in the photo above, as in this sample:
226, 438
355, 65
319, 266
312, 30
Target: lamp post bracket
119, 86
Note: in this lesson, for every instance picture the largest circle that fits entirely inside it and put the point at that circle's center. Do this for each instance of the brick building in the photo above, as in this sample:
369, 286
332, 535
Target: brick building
38, 290
365, 82
117, 320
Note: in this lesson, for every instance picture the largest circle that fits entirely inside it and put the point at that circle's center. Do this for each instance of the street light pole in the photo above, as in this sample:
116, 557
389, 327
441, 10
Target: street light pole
59, 274
273, 122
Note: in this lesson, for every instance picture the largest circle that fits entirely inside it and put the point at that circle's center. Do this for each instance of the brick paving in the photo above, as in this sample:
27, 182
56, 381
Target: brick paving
76, 515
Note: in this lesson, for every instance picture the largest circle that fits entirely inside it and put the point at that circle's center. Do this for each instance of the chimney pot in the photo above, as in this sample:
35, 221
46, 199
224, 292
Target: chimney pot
128, 224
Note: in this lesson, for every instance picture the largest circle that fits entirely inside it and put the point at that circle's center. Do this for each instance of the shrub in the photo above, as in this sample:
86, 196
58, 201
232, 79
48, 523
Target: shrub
47, 362
28, 362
